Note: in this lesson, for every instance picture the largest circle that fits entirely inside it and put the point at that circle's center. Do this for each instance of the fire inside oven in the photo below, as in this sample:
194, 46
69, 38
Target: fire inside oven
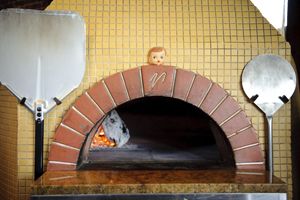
100, 140
157, 133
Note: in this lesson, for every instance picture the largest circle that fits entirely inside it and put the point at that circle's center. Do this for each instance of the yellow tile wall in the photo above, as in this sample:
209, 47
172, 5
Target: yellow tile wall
8, 146
214, 38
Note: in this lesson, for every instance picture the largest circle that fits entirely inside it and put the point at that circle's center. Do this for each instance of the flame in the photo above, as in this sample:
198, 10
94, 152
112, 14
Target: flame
100, 140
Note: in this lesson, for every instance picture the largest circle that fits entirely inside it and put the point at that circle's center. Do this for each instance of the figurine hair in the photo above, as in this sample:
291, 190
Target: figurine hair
156, 49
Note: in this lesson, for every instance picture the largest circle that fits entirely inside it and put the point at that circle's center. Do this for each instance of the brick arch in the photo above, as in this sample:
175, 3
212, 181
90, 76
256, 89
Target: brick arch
151, 80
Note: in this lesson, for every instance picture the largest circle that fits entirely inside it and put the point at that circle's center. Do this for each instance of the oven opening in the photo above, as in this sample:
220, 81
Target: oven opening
164, 133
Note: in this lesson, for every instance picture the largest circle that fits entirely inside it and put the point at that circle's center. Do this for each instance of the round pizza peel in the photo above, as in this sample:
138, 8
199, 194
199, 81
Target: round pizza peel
269, 81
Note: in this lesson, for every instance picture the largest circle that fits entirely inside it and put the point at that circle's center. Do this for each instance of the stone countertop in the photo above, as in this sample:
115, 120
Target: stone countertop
156, 181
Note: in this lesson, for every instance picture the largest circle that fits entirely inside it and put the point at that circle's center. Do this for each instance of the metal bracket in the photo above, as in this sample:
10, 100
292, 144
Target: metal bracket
39, 112
284, 99
57, 101
254, 97
22, 102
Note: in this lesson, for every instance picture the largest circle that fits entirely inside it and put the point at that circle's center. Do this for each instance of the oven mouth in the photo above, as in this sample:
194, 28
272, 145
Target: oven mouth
165, 133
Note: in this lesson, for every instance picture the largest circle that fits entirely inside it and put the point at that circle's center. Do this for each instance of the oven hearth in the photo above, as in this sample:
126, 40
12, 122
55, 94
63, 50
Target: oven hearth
159, 184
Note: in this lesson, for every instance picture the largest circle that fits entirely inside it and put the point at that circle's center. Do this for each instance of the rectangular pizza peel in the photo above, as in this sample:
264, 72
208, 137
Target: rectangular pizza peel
42, 59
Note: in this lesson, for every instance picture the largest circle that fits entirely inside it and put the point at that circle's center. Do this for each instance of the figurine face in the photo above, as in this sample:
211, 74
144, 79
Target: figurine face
157, 58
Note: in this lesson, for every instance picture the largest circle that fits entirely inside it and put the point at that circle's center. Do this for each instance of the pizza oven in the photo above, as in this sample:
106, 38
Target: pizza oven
156, 132
155, 117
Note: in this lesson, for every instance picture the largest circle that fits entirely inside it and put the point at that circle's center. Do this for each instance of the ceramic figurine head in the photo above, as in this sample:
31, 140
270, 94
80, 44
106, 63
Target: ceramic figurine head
156, 55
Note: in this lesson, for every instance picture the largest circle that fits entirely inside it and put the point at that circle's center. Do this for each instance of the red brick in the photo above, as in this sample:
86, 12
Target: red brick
236, 123
225, 110
250, 154
99, 94
213, 98
60, 167
85, 105
198, 90
183, 82
244, 138
158, 80
133, 83
77, 122
63, 154
68, 137
117, 88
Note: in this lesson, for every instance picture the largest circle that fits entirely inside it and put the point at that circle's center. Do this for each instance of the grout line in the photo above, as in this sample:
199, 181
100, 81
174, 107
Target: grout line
190, 34
156, 38
243, 129
129, 30
182, 28
230, 117
246, 146
93, 101
231, 135
218, 105
176, 35
82, 115
239, 131
141, 79
109, 38
123, 80
136, 30
190, 87
73, 130
205, 95
196, 26
174, 80
163, 24
109, 94
65, 146
143, 28
169, 32
115, 38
